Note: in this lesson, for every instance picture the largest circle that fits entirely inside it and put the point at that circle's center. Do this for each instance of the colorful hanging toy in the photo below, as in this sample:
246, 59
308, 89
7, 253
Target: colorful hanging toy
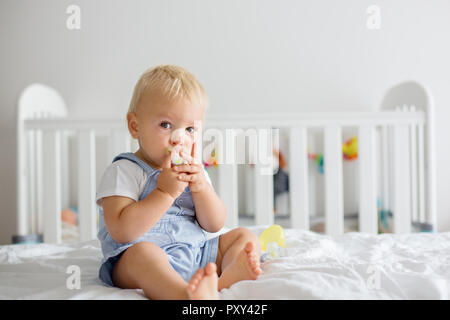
212, 161
318, 159
349, 152
350, 149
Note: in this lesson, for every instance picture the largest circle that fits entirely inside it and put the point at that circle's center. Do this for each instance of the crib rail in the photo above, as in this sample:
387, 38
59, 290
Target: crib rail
48, 136
402, 161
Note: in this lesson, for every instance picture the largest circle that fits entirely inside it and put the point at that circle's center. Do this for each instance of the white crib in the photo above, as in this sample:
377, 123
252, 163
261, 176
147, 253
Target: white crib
395, 155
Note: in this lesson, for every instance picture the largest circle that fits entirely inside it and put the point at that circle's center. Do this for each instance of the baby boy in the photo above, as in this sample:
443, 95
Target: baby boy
154, 214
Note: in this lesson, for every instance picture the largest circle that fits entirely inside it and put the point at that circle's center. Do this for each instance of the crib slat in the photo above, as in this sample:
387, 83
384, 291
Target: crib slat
86, 185
263, 179
334, 207
386, 166
65, 177
52, 186
298, 182
39, 182
421, 155
401, 182
263, 186
414, 193
22, 176
368, 216
227, 191
227, 174
31, 165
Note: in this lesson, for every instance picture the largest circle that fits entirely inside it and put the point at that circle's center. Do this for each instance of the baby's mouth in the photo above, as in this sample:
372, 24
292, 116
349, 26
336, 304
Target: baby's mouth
169, 149
177, 153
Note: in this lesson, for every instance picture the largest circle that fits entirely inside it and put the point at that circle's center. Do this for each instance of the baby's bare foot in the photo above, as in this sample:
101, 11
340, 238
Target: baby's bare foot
203, 284
245, 266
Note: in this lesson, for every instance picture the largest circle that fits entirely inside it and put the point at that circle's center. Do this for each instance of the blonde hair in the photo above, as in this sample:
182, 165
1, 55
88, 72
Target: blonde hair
172, 81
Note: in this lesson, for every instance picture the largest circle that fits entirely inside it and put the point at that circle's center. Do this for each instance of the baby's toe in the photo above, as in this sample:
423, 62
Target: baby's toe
257, 270
249, 247
197, 277
199, 273
210, 268
252, 258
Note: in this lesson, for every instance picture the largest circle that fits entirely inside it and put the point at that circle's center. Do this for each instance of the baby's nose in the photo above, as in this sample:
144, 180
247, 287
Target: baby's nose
177, 137
175, 143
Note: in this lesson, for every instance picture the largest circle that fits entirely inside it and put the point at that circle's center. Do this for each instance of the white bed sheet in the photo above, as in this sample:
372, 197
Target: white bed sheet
413, 266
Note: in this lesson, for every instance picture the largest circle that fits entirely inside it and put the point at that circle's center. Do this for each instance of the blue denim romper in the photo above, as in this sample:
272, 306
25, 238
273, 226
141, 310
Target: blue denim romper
177, 233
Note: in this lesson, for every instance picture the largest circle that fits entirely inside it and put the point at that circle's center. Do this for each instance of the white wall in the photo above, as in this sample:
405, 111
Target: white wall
252, 55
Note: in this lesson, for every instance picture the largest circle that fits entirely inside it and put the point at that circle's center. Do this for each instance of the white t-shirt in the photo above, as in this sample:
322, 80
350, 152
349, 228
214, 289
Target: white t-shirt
125, 178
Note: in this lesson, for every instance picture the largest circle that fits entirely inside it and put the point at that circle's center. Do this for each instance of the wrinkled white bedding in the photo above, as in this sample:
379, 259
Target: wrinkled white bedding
351, 266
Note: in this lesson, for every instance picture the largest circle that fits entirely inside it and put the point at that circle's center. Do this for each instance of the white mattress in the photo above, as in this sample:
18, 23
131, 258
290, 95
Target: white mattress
351, 266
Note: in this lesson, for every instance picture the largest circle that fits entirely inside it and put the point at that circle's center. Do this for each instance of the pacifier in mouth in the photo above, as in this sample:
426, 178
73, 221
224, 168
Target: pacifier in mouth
176, 157
178, 154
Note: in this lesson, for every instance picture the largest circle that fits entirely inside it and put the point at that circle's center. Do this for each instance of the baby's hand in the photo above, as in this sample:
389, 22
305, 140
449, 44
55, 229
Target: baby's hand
192, 172
167, 180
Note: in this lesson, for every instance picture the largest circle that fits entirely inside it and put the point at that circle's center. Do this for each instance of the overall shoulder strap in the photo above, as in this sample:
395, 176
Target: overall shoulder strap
132, 157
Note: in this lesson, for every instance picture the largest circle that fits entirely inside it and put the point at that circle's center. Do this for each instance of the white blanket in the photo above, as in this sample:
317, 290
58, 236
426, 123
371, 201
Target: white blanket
351, 266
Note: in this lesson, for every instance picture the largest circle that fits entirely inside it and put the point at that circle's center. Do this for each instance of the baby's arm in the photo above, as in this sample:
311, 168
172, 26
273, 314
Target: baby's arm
127, 220
209, 208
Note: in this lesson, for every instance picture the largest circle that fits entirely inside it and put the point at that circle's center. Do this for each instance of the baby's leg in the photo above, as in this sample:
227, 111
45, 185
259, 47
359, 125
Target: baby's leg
146, 266
238, 257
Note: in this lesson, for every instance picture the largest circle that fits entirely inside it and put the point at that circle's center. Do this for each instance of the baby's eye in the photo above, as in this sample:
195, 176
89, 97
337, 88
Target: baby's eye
165, 125
192, 129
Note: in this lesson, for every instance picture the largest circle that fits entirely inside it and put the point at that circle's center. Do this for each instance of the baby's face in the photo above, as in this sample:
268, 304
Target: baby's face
163, 125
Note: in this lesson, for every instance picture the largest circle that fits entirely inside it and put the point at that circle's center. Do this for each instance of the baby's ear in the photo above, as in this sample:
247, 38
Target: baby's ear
132, 125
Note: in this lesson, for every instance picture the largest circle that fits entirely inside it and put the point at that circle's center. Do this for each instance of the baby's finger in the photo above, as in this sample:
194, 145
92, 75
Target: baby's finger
193, 150
190, 159
186, 168
194, 153
188, 178
187, 157
167, 163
